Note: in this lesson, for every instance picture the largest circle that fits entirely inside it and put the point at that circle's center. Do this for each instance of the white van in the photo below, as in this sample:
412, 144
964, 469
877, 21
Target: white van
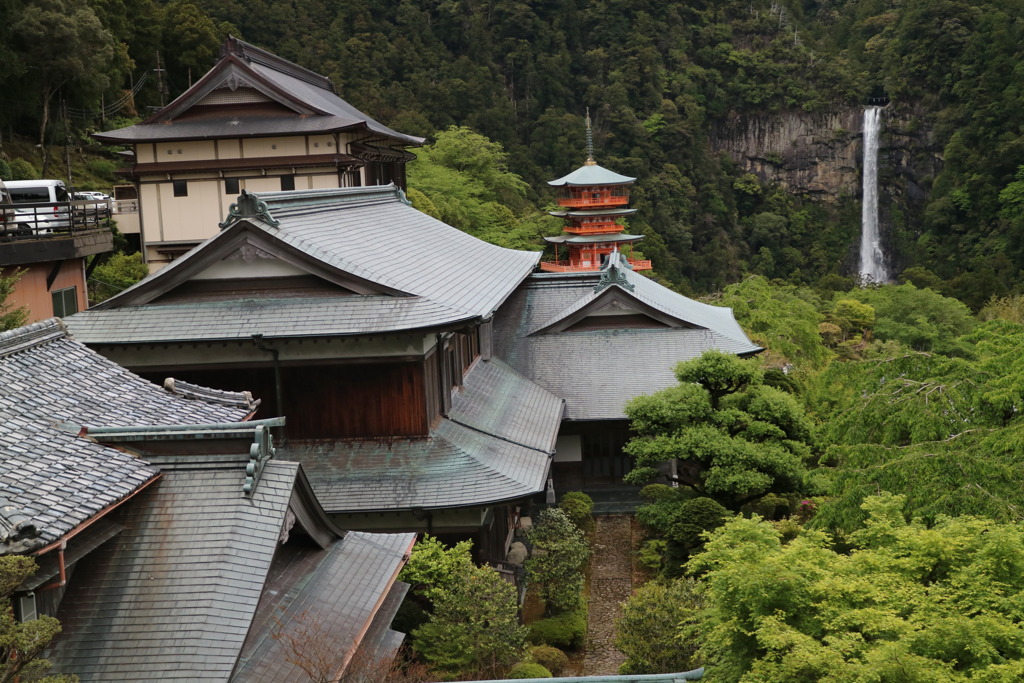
49, 204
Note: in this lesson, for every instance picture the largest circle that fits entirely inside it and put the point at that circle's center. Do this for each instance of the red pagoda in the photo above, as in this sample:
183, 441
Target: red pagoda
593, 198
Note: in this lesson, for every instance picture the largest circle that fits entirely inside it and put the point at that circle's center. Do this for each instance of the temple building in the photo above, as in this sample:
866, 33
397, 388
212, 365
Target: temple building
381, 360
172, 540
593, 198
254, 122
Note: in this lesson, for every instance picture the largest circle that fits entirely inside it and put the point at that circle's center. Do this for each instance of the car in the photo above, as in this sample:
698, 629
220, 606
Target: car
92, 194
47, 201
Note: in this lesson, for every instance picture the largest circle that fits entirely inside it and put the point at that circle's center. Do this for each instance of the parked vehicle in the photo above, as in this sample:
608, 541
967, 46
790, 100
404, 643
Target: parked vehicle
6, 210
45, 204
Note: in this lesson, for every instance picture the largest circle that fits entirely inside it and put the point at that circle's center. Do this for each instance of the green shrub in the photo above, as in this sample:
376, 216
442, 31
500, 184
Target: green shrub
559, 554
577, 506
22, 170
566, 631
648, 632
551, 658
528, 670
103, 168
655, 492
652, 554
5, 170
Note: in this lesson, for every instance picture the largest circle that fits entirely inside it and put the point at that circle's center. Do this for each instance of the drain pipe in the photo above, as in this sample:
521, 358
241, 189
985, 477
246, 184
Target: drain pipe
257, 340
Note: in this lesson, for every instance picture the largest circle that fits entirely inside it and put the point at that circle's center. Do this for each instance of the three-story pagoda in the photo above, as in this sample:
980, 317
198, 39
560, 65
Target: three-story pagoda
592, 199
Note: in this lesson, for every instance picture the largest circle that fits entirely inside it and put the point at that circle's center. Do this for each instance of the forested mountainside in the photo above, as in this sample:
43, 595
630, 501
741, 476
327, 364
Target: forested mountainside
739, 118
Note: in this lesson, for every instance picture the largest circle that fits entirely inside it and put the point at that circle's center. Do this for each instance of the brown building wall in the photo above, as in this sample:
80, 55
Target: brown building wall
31, 290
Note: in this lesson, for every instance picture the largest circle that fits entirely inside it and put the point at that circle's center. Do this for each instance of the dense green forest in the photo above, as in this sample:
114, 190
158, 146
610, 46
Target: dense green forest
660, 78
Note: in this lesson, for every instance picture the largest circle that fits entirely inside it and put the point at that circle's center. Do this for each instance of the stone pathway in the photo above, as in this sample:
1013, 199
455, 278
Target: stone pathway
611, 583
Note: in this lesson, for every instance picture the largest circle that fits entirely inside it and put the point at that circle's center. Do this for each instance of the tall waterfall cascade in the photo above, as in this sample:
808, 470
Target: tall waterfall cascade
872, 257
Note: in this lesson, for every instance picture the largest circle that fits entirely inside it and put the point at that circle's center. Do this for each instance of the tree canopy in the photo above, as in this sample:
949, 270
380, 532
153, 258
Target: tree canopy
730, 436
909, 602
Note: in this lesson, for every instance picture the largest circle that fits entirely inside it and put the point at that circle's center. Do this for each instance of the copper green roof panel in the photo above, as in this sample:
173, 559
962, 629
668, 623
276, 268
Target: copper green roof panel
593, 239
592, 175
593, 213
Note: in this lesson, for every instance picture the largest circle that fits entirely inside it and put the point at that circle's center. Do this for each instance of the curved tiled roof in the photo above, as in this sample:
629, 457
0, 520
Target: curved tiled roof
50, 384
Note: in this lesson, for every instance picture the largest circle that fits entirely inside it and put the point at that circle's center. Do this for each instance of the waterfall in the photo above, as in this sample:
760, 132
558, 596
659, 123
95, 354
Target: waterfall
872, 258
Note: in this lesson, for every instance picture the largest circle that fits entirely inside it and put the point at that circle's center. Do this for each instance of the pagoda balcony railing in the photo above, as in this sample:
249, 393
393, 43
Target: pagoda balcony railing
594, 229
576, 267
603, 201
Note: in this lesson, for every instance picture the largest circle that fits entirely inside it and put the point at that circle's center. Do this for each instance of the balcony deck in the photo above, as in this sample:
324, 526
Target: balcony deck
32, 233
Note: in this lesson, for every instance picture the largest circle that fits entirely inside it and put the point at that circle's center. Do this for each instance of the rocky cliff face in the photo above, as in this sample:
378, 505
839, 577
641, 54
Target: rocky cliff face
816, 154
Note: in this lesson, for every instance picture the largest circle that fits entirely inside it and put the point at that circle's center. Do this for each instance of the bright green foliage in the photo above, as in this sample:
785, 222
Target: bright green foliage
474, 630
10, 316
942, 431
566, 631
556, 562
22, 643
909, 602
782, 318
116, 274
577, 506
463, 179
919, 318
528, 670
648, 632
734, 439
434, 570
681, 522
551, 658
1009, 308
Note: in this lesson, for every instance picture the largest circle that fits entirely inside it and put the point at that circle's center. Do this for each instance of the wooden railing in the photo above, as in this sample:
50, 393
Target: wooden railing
59, 219
570, 267
593, 228
603, 201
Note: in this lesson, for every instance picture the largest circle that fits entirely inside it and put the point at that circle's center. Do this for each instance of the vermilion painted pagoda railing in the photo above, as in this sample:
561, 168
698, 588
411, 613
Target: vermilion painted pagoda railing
602, 201
593, 228
570, 267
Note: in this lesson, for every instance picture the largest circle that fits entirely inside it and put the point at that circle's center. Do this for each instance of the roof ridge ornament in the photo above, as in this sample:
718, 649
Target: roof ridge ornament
590, 143
248, 206
261, 450
614, 273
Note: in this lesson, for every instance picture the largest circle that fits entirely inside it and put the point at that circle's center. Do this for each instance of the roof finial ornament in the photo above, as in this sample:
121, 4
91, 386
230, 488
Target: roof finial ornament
590, 143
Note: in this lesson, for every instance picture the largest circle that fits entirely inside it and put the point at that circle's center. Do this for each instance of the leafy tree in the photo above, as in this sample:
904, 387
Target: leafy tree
682, 523
434, 570
919, 318
22, 643
559, 553
782, 318
116, 274
909, 602
474, 629
944, 432
10, 316
726, 434
648, 632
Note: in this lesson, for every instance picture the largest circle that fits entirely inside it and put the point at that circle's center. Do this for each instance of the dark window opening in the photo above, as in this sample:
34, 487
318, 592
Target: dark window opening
65, 302
180, 188
287, 183
231, 186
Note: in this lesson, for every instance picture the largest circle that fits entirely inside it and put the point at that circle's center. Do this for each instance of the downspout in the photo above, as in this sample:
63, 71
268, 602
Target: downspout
257, 340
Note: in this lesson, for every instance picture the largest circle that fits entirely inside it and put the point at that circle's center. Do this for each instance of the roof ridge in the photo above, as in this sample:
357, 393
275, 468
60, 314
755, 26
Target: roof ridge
252, 53
30, 336
232, 399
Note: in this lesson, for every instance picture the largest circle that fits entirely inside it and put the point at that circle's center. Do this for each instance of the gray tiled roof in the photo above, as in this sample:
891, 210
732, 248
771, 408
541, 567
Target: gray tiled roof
598, 371
174, 597
242, 318
495, 447
49, 382
446, 275
320, 595
311, 90
498, 400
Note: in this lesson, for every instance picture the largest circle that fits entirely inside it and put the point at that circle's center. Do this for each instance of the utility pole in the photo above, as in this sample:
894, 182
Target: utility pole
160, 81
67, 140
